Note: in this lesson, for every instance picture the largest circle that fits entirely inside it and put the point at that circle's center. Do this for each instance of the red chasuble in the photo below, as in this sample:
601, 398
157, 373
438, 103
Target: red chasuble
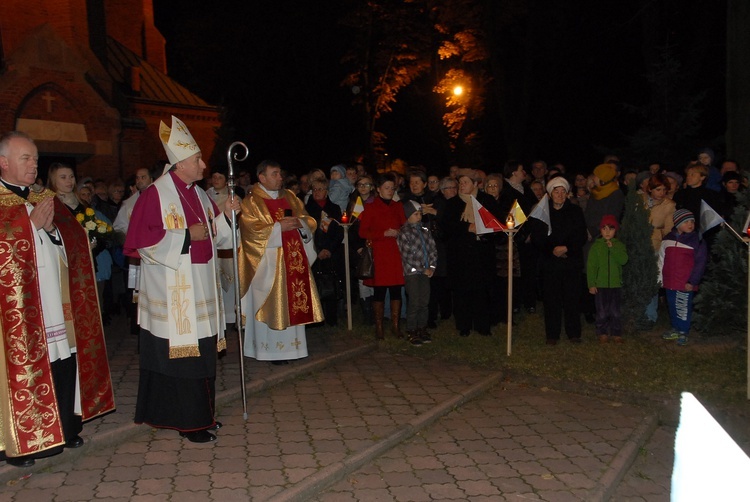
34, 420
298, 293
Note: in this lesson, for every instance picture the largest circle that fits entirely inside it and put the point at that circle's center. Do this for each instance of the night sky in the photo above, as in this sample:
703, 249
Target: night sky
276, 67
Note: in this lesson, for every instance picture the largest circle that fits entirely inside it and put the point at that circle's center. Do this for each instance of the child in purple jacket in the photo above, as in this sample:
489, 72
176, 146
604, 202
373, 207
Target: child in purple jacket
682, 261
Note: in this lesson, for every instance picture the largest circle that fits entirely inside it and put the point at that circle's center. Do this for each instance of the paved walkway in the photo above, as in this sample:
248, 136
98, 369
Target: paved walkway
354, 423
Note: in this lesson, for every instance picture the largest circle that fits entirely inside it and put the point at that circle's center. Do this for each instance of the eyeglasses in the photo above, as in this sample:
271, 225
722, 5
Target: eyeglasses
364, 185
491, 186
319, 189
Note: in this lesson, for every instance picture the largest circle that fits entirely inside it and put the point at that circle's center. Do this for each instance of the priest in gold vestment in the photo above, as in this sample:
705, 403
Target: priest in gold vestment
279, 296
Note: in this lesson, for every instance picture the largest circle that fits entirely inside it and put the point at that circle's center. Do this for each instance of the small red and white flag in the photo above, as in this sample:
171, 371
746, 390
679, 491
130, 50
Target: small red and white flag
485, 221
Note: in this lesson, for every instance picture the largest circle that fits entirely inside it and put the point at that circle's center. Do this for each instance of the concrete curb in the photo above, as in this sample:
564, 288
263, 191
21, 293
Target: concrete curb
624, 459
324, 478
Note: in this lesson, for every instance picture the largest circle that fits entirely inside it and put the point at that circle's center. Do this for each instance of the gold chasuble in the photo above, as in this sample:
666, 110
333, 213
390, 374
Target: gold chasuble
292, 298
28, 405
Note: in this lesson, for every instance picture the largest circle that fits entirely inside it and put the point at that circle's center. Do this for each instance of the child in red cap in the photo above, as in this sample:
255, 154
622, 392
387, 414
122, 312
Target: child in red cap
604, 274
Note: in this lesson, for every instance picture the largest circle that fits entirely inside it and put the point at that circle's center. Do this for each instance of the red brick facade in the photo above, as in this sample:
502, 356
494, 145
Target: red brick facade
57, 84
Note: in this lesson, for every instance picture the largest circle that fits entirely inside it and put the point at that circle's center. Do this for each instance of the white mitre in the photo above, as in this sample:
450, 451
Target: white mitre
178, 142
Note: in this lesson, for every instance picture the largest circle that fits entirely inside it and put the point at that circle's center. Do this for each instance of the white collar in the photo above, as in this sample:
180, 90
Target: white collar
273, 193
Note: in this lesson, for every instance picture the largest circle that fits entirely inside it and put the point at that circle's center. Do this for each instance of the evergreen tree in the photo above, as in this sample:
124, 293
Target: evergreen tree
721, 303
672, 117
639, 275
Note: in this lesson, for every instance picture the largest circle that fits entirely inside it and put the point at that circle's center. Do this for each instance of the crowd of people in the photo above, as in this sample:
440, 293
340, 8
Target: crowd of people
175, 271
560, 261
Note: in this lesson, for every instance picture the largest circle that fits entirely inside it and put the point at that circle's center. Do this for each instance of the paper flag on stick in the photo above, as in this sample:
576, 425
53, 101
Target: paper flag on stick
541, 212
485, 221
358, 208
518, 215
709, 218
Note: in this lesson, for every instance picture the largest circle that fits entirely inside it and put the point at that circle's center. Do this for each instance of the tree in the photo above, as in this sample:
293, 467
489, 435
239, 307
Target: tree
672, 117
738, 80
639, 275
391, 49
721, 302
463, 52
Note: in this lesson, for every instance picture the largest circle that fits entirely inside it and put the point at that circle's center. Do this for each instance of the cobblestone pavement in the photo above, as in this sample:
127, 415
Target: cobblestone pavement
513, 443
353, 423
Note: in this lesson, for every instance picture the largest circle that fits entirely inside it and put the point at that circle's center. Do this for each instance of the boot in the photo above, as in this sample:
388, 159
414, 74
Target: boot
395, 315
378, 309
366, 306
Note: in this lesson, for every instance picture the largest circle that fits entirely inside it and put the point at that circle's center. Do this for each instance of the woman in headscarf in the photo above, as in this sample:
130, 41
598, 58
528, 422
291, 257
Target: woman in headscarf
561, 261
471, 257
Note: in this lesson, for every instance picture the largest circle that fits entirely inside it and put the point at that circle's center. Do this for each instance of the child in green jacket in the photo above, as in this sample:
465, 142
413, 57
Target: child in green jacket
604, 273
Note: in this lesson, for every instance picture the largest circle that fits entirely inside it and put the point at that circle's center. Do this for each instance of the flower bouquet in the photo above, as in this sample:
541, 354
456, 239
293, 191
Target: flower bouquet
95, 228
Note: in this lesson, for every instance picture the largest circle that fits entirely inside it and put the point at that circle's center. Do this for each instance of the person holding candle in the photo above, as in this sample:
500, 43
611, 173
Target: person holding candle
328, 238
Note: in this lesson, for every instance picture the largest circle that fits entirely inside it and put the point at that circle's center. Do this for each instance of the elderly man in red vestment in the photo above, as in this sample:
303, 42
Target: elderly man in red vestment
54, 373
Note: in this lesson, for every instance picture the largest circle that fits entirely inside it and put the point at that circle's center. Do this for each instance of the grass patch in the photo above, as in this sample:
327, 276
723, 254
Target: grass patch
715, 372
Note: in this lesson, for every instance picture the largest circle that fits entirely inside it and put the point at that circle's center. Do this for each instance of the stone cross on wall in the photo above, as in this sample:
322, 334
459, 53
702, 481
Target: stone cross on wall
49, 98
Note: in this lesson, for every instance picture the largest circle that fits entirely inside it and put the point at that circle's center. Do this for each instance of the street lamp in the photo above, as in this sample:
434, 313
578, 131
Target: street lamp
458, 90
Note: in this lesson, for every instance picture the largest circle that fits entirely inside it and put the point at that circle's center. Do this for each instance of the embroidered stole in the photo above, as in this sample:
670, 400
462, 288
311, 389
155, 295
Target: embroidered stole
97, 396
180, 281
294, 260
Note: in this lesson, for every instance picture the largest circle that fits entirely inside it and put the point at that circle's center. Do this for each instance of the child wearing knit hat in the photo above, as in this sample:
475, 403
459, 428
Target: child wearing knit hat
682, 261
419, 259
604, 275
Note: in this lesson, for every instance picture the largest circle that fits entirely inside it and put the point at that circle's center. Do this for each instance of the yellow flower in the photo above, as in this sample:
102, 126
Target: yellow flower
79, 217
90, 212
102, 228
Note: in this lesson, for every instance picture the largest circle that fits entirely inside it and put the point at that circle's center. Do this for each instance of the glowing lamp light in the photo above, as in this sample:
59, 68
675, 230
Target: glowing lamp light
344, 218
458, 90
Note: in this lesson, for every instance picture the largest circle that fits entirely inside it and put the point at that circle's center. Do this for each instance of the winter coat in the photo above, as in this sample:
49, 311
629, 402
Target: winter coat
417, 253
660, 217
378, 217
604, 268
471, 258
568, 229
682, 260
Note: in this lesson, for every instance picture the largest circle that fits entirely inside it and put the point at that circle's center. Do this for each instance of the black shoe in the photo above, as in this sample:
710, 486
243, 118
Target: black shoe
216, 426
516, 310
432, 324
280, 363
464, 333
24, 461
424, 335
551, 341
76, 442
531, 310
198, 436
